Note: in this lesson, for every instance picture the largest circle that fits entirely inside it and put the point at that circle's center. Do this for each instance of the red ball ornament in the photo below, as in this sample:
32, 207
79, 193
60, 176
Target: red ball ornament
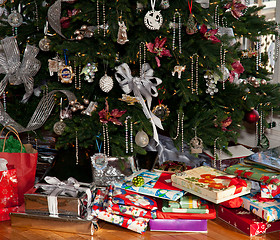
252, 116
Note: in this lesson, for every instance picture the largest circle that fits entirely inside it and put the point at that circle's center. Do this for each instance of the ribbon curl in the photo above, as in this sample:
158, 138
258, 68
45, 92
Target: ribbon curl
143, 86
55, 187
18, 72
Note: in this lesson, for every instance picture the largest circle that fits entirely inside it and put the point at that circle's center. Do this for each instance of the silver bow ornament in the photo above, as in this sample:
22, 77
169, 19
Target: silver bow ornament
72, 187
18, 72
143, 87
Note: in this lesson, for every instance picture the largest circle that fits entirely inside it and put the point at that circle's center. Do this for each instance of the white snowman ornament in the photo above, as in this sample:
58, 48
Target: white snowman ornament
153, 19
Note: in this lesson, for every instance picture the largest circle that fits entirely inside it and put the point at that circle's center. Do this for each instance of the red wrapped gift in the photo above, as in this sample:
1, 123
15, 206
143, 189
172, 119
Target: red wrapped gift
8, 189
5, 213
247, 222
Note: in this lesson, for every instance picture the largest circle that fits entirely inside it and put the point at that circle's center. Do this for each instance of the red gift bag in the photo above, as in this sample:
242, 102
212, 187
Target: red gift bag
25, 165
8, 189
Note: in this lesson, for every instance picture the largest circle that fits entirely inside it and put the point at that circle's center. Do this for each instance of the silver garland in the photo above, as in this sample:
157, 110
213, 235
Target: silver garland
40, 115
54, 14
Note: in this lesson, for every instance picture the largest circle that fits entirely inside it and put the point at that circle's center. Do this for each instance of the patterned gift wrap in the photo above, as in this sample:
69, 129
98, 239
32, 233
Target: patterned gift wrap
153, 186
245, 221
5, 212
103, 209
211, 184
270, 191
267, 209
8, 188
255, 172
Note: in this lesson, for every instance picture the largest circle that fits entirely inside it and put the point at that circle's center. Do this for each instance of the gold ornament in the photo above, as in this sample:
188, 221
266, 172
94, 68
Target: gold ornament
129, 99
66, 74
161, 111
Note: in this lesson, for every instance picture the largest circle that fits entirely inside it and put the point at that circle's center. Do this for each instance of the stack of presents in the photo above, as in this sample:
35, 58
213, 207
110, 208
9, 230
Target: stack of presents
173, 197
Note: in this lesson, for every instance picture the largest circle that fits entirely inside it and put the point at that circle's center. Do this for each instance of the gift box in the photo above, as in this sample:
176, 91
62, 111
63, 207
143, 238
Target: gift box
60, 198
157, 184
270, 191
210, 214
5, 212
59, 224
267, 209
255, 172
211, 184
179, 225
247, 222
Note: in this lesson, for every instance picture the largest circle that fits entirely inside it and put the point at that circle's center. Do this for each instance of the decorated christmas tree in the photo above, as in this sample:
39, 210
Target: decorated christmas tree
108, 76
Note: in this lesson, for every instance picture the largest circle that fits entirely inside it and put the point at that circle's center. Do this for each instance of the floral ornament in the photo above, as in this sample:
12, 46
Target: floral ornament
65, 21
209, 34
159, 49
226, 123
236, 7
237, 70
106, 116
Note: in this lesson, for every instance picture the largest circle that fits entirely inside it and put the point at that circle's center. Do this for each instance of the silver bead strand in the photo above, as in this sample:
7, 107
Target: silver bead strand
179, 32
182, 132
131, 137
126, 135
104, 19
140, 56
77, 149
97, 16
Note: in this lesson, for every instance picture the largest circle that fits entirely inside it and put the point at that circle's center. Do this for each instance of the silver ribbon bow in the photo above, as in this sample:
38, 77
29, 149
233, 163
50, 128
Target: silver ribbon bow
72, 187
18, 72
143, 86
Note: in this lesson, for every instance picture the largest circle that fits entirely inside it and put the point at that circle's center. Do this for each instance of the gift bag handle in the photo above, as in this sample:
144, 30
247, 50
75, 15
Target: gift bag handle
8, 126
16, 133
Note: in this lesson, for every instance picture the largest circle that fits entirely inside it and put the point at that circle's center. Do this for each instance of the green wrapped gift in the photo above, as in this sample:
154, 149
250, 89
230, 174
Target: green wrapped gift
12, 145
255, 172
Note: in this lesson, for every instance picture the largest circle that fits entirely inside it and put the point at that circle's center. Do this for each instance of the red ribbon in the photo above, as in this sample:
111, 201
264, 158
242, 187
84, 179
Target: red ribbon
190, 6
237, 182
260, 199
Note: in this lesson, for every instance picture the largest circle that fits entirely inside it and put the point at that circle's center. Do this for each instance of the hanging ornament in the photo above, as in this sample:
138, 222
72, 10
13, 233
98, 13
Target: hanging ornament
164, 4
262, 140
179, 32
55, 64
89, 71
126, 135
15, 19
65, 72
217, 157
203, 3
191, 27
210, 83
196, 144
59, 126
194, 90
153, 19
98, 18
236, 7
180, 119
90, 108
84, 31
44, 43
252, 116
122, 34
161, 111
129, 99
179, 70
99, 160
142, 139
106, 83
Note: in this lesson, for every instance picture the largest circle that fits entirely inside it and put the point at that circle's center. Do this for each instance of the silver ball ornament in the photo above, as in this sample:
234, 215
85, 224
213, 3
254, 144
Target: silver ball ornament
142, 139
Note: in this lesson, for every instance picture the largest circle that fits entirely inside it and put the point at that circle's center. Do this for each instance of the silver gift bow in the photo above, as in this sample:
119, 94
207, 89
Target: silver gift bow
18, 72
143, 86
54, 187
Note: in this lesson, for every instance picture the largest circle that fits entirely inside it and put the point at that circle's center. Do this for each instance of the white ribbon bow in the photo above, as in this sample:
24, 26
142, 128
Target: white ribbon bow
143, 86
18, 72
54, 187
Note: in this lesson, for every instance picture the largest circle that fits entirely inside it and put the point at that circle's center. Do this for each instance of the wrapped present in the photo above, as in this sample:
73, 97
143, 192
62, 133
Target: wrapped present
102, 209
8, 188
247, 222
211, 184
5, 212
268, 209
59, 224
116, 169
210, 214
157, 184
270, 191
255, 172
132, 211
71, 198
186, 204
179, 225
